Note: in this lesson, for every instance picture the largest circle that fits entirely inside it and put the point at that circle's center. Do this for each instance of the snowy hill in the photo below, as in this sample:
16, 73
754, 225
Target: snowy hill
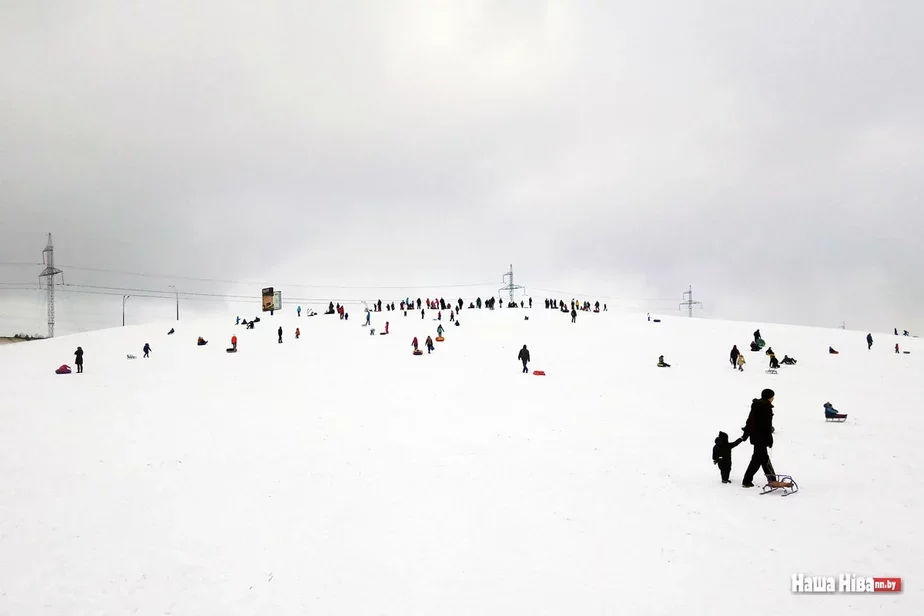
340, 474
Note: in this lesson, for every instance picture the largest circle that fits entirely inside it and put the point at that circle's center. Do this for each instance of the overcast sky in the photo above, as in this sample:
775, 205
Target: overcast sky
771, 155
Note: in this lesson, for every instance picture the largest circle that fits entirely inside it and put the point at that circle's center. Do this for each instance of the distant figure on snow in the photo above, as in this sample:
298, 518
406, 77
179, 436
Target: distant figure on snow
298, 311
733, 357
202, 341
869, 341
429, 343
78, 359
788, 361
414, 343
832, 351
722, 456
234, 342
279, 331
741, 363
661, 363
573, 315
298, 333
830, 411
524, 357
896, 347
774, 363
146, 349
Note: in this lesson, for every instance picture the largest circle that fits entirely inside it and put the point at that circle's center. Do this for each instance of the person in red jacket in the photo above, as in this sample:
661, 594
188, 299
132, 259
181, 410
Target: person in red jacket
414, 343
234, 342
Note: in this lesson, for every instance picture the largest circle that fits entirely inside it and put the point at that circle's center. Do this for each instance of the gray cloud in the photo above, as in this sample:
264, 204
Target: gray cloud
770, 156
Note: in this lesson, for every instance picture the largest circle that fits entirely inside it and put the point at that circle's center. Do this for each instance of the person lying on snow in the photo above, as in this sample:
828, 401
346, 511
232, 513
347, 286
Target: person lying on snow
789, 361
721, 454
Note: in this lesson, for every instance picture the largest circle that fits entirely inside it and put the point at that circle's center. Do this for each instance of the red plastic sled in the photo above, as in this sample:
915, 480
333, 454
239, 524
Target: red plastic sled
539, 372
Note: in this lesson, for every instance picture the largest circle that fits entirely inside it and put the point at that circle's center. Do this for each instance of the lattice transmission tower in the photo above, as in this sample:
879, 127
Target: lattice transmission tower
689, 303
510, 286
48, 274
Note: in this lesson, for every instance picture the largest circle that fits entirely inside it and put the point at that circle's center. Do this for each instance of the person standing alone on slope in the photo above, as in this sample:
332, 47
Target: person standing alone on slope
524, 357
78, 359
759, 429
869, 341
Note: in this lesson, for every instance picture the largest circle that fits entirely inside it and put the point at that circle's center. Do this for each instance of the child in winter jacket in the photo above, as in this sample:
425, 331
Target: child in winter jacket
721, 455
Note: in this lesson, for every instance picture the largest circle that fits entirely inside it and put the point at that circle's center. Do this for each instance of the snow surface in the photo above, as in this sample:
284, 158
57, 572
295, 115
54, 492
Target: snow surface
339, 474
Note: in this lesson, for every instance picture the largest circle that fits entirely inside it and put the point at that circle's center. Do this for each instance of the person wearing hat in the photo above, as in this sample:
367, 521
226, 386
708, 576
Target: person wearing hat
759, 429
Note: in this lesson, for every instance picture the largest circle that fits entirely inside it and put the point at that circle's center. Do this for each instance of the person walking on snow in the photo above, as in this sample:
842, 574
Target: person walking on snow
735, 353
439, 330
299, 311
573, 315
759, 429
869, 341
146, 349
429, 344
279, 331
722, 456
368, 317
741, 363
297, 333
524, 357
78, 359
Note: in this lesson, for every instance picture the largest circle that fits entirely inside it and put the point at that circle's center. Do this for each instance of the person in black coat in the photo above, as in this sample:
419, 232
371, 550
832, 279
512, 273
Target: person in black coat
524, 357
734, 356
869, 341
78, 359
279, 331
759, 429
721, 454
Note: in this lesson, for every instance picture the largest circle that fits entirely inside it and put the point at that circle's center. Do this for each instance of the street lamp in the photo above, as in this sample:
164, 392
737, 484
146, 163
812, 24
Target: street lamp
124, 299
173, 286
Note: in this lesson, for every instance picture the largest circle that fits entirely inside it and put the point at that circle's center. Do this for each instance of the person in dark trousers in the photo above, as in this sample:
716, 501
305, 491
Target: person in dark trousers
759, 429
756, 335
869, 341
279, 331
146, 349
573, 315
78, 359
721, 455
734, 356
524, 357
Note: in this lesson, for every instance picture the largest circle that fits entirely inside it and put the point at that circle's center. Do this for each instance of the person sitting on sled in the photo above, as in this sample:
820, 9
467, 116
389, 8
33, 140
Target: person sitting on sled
754, 347
661, 363
774, 363
832, 351
830, 411
721, 454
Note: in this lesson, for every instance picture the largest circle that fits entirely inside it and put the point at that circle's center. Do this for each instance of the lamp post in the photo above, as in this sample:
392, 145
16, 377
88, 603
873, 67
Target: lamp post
124, 299
176, 293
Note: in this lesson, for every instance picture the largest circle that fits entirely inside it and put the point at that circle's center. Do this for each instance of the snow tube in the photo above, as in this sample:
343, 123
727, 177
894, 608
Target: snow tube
440, 339
539, 372
63, 369
760, 343
418, 352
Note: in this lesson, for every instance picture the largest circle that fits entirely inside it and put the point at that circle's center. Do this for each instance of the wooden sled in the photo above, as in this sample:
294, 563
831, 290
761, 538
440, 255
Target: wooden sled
539, 372
781, 482
839, 418
439, 339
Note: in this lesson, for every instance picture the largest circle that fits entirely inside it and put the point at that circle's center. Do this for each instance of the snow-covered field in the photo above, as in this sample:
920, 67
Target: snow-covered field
339, 474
